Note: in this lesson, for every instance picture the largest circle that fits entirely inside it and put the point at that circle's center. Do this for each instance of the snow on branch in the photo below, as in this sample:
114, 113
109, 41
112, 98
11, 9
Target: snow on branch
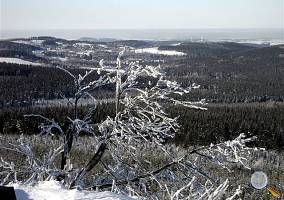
48, 126
39, 169
7, 169
131, 148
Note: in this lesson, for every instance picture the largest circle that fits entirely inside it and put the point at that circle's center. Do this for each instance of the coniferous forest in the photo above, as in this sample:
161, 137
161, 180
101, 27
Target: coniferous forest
242, 84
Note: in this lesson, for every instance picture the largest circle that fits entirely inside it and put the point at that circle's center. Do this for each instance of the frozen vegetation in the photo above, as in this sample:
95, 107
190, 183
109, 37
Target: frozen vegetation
119, 158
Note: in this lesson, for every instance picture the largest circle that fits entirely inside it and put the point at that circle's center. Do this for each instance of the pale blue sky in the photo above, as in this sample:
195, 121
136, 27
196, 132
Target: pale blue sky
141, 14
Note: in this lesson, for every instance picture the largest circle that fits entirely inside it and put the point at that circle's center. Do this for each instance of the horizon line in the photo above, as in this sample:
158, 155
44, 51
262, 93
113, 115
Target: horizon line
259, 28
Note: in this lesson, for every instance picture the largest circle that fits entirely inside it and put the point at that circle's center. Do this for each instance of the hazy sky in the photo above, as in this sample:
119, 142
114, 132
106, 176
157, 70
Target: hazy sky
141, 14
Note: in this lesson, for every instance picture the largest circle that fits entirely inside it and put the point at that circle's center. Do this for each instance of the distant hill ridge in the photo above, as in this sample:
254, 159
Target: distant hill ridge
90, 39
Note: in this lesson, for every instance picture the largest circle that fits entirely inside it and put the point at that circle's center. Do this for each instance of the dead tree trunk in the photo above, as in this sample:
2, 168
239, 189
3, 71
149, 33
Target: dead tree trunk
91, 164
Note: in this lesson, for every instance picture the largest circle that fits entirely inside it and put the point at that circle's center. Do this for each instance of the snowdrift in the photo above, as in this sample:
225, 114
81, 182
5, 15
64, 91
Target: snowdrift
54, 191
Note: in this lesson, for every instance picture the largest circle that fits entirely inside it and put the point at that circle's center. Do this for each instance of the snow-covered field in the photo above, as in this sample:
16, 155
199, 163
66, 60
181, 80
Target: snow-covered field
54, 191
155, 50
82, 44
60, 58
102, 45
17, 61
176, 44
30, 42
87, 52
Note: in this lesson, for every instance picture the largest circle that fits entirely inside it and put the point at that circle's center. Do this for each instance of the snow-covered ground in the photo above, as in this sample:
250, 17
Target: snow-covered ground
176, 44
38, 52
87, 52
60, 58
17, 61
102, 45
81, 44
31, 42
155, 50
54, 191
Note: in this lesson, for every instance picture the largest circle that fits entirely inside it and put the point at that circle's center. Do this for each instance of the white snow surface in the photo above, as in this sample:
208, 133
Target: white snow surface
52, 190
32, 42
102, 45
81, 44
176, 44
155, 50
88, 52
17, 61
60, 58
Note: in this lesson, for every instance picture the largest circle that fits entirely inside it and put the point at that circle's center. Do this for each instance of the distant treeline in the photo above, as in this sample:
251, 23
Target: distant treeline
230, 72
224, 122
198, 127
21, 85
236, 74
227, 73
19, 50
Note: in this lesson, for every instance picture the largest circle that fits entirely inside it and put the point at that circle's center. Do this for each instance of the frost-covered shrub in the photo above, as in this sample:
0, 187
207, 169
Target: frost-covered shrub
130, 147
